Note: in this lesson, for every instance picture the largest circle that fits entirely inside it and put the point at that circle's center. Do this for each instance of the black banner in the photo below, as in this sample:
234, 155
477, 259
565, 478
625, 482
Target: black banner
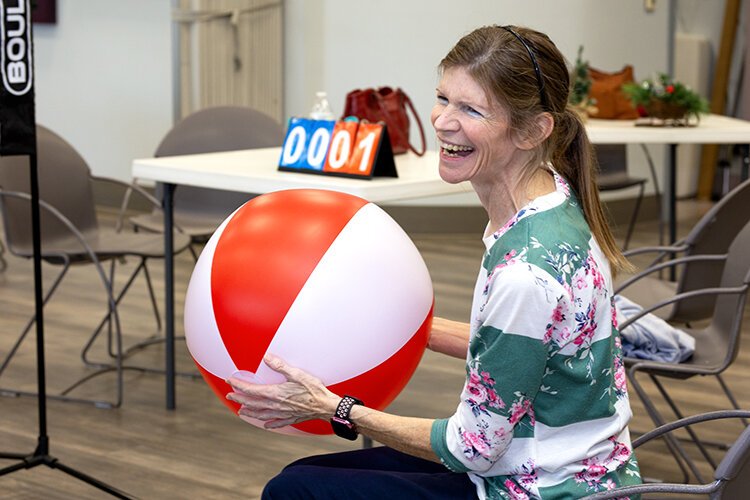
17, 122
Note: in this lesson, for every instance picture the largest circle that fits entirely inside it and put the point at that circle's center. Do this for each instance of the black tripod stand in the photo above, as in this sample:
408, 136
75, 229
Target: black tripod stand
41, 456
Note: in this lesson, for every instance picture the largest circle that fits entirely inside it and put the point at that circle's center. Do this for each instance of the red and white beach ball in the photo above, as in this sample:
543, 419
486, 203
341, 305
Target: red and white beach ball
327, 281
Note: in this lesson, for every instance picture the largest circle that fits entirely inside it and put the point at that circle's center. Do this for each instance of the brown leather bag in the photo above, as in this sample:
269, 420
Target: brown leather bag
386, 105
611, 101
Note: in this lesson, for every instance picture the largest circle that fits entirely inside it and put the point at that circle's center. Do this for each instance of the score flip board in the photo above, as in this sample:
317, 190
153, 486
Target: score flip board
344, 148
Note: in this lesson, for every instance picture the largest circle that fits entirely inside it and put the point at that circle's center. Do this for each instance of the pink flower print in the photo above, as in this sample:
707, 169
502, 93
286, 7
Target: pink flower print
519, 408
579, 282
621, 379
591, 474
487, 379
474, 378
514, 491
558, 315
511, 222
564, 334
598, 280
562, 185
568, 290
476, 443
614, 315
587, 332
596, 276
596, 471
621, 453
609, 485
526, 474
510, 254
548, 334
478, 392
494, 400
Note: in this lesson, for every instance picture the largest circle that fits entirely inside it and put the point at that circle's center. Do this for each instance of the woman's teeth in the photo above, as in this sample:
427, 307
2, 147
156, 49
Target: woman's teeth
455, 149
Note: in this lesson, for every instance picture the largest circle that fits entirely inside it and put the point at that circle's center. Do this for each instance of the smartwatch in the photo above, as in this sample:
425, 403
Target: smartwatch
342, 426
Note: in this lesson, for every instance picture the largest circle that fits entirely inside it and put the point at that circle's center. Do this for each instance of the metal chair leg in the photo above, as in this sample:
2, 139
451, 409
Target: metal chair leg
673, 445
3, 263
731, 397
634, 217
679, 415
31, 321
106, 321
114, 318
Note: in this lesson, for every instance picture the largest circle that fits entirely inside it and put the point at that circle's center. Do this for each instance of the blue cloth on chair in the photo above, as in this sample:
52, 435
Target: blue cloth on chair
650, 337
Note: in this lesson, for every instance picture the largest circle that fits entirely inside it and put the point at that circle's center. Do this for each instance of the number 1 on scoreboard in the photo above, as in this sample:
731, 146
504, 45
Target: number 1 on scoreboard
353, 148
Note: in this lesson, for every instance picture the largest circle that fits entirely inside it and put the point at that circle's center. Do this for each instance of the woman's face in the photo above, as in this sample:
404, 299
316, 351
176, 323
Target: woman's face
474, 138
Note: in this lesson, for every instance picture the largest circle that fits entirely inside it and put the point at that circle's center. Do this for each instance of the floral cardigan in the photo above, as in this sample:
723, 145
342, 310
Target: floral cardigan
544, 409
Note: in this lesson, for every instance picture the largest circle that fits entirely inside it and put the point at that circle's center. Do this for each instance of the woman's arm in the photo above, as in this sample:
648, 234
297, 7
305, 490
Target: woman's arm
304, 397
449, 337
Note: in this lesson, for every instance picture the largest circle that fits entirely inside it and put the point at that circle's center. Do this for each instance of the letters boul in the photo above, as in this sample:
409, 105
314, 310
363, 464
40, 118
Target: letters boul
17, 123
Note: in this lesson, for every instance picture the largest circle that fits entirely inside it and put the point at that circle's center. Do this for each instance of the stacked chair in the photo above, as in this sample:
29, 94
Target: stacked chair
72, 236
708, 301
731, 479
199, 211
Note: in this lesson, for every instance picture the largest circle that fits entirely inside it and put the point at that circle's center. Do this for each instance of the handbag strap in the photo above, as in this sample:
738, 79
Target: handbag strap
383, 108
419, 125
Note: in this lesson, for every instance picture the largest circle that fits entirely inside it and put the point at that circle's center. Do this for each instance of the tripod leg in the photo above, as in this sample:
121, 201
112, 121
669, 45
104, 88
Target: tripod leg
90, 480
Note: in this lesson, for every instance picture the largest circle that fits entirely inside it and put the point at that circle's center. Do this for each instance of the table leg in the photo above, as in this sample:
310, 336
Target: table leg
672, 194
168, 206
669, 204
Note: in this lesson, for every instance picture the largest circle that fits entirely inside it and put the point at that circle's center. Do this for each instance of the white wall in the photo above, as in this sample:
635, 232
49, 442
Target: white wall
362, 43
104, 79
351, 44
104, 73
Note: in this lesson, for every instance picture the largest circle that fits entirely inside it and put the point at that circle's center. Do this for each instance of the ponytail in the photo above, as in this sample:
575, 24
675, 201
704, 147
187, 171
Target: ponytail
573, 157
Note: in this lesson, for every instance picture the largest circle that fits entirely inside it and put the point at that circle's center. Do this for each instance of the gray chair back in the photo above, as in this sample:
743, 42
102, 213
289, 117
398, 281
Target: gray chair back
64, 182
612, 160
726, 322
734, 469
711, 235
210, 130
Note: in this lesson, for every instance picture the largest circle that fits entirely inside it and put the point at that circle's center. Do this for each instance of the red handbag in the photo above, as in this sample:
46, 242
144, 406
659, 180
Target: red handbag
386, 105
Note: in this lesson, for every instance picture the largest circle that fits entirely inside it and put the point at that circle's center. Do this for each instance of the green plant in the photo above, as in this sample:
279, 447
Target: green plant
580, 82
665, 98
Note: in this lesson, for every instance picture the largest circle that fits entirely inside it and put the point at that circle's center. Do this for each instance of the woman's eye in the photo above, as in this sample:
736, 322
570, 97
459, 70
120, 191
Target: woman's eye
442, 100
473, 112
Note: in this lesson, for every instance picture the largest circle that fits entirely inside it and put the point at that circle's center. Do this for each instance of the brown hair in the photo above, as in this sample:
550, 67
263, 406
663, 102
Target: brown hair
523, 70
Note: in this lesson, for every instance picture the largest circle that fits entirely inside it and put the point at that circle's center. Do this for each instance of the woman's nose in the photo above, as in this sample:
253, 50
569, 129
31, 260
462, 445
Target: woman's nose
443, 118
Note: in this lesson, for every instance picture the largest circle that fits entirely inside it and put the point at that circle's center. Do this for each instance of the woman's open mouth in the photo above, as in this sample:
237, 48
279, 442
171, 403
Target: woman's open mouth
455, 150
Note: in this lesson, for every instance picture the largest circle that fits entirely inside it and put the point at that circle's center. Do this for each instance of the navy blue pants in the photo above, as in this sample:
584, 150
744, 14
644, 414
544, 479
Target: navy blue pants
374, 473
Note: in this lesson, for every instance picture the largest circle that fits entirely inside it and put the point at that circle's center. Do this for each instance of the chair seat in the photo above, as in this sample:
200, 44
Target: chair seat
649, 291
618, 180
195, 226
106, 244
709, 357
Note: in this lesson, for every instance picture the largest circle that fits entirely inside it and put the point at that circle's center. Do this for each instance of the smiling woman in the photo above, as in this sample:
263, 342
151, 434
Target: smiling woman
543, 412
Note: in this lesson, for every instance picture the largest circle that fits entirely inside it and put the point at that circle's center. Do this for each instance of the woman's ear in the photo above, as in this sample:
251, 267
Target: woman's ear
537, 133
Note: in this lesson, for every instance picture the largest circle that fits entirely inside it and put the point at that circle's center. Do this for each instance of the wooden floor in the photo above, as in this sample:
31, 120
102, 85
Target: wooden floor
201, 450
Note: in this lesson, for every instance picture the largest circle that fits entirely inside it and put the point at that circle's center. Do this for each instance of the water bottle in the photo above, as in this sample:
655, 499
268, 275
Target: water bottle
321, 110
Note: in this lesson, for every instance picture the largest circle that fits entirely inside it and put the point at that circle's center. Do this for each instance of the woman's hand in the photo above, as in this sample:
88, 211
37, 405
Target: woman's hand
302, 397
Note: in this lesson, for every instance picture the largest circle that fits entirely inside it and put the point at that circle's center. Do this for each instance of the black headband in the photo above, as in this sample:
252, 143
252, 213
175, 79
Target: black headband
539, 79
